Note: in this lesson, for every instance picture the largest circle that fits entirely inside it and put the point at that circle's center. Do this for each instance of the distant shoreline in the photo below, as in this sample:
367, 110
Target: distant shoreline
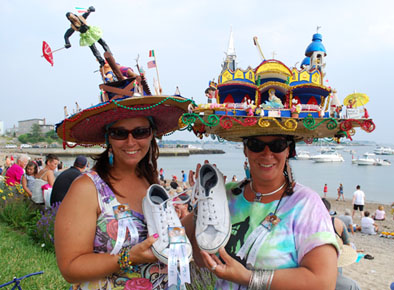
70, 152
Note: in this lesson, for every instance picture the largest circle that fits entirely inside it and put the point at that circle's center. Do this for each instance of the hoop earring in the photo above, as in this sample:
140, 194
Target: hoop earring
110, 158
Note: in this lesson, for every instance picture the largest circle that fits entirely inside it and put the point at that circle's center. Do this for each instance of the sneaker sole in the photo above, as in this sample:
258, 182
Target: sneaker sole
223, 244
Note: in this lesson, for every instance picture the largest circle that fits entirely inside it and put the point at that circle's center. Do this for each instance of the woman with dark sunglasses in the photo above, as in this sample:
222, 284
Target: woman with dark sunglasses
281, 236
101, 235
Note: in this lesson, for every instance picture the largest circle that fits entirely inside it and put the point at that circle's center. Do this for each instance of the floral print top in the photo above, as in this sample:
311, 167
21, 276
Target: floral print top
146, 276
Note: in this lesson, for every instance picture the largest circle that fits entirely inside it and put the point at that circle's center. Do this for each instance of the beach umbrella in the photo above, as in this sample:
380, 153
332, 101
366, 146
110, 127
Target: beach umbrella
356, 100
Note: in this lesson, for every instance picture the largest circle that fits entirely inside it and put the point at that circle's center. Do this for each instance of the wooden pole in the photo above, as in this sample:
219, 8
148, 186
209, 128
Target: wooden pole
157, 72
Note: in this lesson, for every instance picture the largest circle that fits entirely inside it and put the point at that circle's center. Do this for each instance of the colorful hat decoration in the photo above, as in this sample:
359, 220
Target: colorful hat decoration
273, 99
88, 126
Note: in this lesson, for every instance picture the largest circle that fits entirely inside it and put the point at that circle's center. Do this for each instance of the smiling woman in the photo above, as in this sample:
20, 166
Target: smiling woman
92, 248
279, 228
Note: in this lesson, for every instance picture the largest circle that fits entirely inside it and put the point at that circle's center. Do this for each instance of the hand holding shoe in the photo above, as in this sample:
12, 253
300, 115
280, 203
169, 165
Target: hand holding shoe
230, 270
142, 252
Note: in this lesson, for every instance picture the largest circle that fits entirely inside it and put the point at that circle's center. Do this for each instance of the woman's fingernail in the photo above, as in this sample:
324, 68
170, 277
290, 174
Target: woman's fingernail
156, 236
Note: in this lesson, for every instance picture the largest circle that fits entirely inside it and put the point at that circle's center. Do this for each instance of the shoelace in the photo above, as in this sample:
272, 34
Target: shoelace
167, 207
209, 216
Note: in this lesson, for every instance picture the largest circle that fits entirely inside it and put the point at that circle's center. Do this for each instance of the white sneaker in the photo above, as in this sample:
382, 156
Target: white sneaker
160, 214
213, 226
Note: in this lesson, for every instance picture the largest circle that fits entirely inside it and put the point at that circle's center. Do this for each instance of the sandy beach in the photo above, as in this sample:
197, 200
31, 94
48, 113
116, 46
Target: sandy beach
376, 274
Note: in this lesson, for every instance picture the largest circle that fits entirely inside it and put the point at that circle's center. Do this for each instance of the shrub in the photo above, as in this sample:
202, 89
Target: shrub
44, 228
15, 207
18, 211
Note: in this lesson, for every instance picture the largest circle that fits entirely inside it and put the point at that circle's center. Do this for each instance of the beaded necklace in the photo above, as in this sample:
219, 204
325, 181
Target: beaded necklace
259, 195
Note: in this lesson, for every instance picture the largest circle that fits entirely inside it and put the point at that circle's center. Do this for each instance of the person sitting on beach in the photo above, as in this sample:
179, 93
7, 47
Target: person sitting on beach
66, 178
28, 178
348, 221
338, 224
380, 214
14, 173
343, 282
392, 209
45, 178
7, 164
368, 225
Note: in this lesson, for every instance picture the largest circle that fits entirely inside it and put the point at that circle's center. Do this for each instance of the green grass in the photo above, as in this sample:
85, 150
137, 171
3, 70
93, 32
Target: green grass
19, 256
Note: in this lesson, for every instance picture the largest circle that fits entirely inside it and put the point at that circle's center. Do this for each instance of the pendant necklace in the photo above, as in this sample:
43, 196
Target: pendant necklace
259, 195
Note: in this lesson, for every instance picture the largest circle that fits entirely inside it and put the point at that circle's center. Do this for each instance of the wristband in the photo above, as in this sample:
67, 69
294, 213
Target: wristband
261, 280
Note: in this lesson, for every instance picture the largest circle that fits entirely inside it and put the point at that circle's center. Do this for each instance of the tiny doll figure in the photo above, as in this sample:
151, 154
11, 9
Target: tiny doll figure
89, 35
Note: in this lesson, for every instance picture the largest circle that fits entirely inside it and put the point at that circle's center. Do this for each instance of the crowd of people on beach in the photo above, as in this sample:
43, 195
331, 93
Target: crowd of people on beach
44, 182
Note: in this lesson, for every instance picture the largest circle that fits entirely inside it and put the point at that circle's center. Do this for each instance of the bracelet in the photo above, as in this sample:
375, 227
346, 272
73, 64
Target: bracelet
124, 261
261, 280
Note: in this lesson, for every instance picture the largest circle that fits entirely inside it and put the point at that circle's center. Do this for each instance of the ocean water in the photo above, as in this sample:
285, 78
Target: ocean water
376, 181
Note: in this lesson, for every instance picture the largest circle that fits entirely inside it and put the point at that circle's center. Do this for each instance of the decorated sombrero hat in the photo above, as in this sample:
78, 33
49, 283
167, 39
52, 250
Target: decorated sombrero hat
273, 99
234, 125
88, 126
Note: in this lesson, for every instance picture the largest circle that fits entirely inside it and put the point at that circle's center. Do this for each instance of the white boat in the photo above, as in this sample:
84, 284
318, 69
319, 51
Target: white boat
328, 156
380, 150
367, 159
338, 147
383, 162
325, 149
303, 155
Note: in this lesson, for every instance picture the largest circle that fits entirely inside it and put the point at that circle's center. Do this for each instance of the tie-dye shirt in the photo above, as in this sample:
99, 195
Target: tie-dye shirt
304, 225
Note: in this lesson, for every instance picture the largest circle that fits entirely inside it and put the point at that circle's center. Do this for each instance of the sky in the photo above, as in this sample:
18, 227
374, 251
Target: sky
190, 39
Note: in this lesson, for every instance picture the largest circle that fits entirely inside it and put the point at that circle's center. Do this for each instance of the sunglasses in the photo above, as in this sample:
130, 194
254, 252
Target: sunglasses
276, 146
123, 134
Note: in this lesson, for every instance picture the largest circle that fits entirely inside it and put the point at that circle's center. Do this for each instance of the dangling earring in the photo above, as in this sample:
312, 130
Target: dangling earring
247, 169
110, 157
289, 173
150, 156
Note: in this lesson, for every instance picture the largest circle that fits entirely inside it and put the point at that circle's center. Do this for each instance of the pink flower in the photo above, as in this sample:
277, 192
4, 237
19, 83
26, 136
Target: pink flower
112, 229
138, 284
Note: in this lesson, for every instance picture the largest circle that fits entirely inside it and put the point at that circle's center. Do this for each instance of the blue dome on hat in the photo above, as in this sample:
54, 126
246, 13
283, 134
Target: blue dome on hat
305, 62
316, 45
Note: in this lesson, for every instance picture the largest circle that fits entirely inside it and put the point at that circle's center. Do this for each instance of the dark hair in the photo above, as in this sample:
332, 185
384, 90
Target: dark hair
51, 157
326, 203
145, 168
366, 213
358, 187
32, 163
